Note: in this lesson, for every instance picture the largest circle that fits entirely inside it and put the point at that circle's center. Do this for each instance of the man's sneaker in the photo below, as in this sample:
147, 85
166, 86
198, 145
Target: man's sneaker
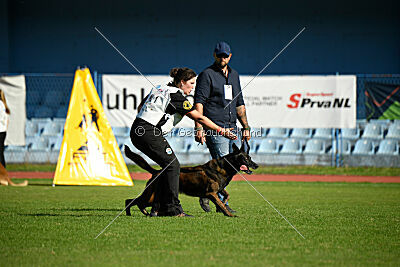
228, 208
154, 214
205, 204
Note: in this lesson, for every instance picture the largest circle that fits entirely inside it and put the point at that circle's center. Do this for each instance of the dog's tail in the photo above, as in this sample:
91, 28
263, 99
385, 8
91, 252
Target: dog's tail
9, 182
139, 160
5, 179
24, 183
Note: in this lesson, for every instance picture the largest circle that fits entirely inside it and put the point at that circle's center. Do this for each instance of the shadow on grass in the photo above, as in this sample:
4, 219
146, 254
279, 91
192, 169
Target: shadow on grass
85, 209
73, 215
61, 215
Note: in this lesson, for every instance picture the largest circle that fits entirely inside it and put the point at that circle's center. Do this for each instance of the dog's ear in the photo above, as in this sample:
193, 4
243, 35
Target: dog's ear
235, 148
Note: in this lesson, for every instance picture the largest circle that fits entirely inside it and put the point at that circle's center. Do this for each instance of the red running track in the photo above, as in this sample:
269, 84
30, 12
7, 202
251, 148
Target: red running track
254, 177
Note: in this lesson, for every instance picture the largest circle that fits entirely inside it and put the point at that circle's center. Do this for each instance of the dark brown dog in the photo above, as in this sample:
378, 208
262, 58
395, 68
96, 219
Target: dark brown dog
203, 181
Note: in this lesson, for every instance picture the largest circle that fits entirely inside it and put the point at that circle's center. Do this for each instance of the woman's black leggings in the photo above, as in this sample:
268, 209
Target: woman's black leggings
150, 141
2, 139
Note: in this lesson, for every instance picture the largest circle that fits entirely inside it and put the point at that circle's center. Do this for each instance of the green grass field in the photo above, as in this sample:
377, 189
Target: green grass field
344, 224
319, 170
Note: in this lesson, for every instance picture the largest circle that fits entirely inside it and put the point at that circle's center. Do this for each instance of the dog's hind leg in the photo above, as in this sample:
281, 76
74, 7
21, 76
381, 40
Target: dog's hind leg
215, 199
133, 202
226, 196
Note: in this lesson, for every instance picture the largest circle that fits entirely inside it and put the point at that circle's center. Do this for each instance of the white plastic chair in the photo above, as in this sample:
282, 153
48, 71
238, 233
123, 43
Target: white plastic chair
291, 146
304, 133
314, 146
268, 146
363, 147
388, 147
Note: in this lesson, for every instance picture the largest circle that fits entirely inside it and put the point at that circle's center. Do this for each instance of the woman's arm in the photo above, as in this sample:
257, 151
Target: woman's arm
206, 122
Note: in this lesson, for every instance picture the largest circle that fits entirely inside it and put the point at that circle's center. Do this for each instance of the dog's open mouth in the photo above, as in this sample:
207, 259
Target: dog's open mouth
245, 169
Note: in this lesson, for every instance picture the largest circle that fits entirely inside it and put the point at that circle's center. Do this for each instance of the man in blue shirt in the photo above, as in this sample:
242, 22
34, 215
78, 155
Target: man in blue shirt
218, 96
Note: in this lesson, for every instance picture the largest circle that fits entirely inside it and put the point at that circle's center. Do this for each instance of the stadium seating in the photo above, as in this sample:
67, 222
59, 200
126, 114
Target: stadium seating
364, 147
121, 131
60, 122
44, 136
40, 122
314, 146
255, 143
55, 143
393, 132
39, 143
383, 123
323, 133
388, 147
361, 123
121, 140
350, 134
31, 129
268, 146
52, 129
373, 131
39, 150
344, 147
15, 154
55, 146
278, 133
291, 146
303, 133
258, 132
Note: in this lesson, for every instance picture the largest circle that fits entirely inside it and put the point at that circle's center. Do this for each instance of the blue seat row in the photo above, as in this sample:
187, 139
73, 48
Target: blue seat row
44, 126
320, 147
44, 135
291, 146
374, 131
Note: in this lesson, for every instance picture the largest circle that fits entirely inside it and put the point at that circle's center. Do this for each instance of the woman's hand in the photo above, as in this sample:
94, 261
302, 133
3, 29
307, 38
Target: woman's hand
195, 115
199, 136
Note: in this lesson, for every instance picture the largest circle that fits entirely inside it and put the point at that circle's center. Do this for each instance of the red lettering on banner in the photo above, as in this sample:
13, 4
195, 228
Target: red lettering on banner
295, 99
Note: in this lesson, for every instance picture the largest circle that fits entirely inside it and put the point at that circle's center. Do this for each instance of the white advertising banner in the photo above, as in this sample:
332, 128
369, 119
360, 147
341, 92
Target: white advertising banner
122, 95
271, 101
15, 93
301, 101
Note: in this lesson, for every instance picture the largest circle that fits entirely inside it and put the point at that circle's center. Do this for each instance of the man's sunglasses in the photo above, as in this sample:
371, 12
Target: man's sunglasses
222, 56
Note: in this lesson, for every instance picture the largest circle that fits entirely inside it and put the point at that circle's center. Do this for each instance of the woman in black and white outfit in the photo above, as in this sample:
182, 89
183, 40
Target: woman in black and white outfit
4, 114
161, 110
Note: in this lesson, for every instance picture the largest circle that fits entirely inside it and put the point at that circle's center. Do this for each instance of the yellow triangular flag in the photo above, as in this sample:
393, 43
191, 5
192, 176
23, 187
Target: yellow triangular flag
89, 153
